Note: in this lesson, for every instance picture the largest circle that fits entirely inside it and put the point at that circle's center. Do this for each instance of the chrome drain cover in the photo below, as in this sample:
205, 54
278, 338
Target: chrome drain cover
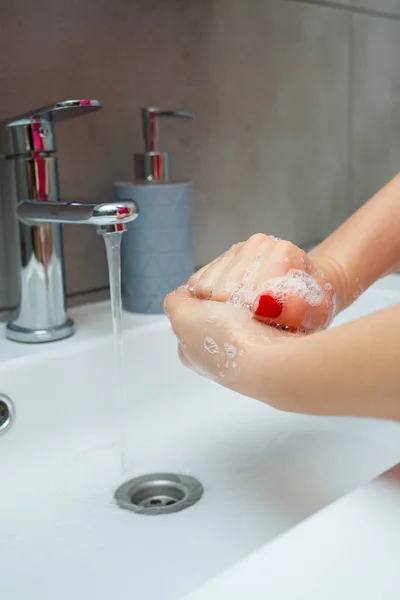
159, 493
7, 413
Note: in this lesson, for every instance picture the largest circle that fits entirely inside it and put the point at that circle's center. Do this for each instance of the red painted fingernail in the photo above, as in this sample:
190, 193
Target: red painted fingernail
268, 307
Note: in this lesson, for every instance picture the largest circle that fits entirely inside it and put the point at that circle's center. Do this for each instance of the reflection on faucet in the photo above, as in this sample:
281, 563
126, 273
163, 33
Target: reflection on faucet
111, 216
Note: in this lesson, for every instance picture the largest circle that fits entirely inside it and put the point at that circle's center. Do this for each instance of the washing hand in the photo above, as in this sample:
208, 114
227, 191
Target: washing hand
234, 318
273, 280
347, 370
226, 318
223, 342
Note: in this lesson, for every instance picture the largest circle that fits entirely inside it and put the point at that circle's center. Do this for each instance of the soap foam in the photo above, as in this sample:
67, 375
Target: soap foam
230, 353
211, 346
296, 283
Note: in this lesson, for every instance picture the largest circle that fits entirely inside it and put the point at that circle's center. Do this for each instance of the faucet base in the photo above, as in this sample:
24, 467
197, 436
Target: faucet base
38, 336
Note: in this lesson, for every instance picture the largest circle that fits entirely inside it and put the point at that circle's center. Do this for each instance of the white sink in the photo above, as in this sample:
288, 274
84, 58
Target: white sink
263, 471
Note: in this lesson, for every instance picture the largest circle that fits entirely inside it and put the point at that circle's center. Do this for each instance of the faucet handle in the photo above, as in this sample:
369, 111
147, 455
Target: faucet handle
33, 131
60, 111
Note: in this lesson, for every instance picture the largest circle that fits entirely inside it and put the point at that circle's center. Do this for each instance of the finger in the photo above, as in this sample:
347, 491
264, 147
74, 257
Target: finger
193, 279
296, 314
259, 258
172, 298
219, 282
296, 301
175, 308
282, 256
204, 285
236, 274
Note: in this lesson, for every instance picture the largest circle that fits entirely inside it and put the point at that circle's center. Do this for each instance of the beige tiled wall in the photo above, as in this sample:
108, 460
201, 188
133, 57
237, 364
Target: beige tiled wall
277, 147
296, 105
376, 105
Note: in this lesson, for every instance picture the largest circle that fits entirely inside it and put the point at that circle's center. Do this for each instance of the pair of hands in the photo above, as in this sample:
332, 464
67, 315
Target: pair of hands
260, 291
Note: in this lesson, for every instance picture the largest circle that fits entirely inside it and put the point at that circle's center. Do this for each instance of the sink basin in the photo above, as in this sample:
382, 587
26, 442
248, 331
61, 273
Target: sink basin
263, 471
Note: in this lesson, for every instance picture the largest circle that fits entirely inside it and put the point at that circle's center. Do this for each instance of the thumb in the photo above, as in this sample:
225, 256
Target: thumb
303, 306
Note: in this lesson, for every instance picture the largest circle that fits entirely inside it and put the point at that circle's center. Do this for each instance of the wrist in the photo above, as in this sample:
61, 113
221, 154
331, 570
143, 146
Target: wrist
334, 273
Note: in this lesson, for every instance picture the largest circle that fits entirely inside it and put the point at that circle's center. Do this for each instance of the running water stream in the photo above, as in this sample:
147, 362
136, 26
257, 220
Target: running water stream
113, 249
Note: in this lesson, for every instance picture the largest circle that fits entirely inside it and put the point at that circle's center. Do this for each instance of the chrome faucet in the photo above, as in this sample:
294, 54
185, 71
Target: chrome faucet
31, 214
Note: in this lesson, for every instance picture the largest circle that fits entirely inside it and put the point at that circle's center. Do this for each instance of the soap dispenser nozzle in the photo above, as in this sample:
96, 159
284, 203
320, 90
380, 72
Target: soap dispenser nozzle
153, 165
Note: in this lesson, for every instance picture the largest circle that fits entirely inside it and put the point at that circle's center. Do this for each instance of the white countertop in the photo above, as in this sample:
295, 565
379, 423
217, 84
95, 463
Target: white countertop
348, 551
93, 321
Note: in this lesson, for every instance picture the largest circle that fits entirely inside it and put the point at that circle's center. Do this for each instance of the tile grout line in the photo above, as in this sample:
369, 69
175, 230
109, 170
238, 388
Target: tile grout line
370, 12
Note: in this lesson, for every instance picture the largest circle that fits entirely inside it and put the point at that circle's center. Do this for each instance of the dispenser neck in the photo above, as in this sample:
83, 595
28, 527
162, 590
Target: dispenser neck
150, 129
154, 165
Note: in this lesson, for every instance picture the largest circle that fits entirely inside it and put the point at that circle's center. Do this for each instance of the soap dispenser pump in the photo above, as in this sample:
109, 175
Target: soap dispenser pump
153, 165
157, 256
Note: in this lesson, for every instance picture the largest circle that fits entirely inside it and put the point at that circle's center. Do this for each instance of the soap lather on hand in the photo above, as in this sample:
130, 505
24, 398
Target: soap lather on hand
273, 280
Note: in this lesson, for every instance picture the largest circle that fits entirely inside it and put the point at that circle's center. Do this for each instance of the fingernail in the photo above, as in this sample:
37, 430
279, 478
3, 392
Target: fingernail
268, 307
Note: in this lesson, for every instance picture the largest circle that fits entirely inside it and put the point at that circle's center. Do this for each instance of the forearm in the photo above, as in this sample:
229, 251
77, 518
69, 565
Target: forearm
365, 247
353, 369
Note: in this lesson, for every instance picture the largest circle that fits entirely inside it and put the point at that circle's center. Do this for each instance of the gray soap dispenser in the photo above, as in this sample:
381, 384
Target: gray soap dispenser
157, 249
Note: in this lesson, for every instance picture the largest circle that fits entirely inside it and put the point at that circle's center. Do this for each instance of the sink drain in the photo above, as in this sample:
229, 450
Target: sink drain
7, 412
159, 493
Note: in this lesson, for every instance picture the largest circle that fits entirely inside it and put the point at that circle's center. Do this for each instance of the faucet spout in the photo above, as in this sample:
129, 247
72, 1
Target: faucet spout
113, 215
